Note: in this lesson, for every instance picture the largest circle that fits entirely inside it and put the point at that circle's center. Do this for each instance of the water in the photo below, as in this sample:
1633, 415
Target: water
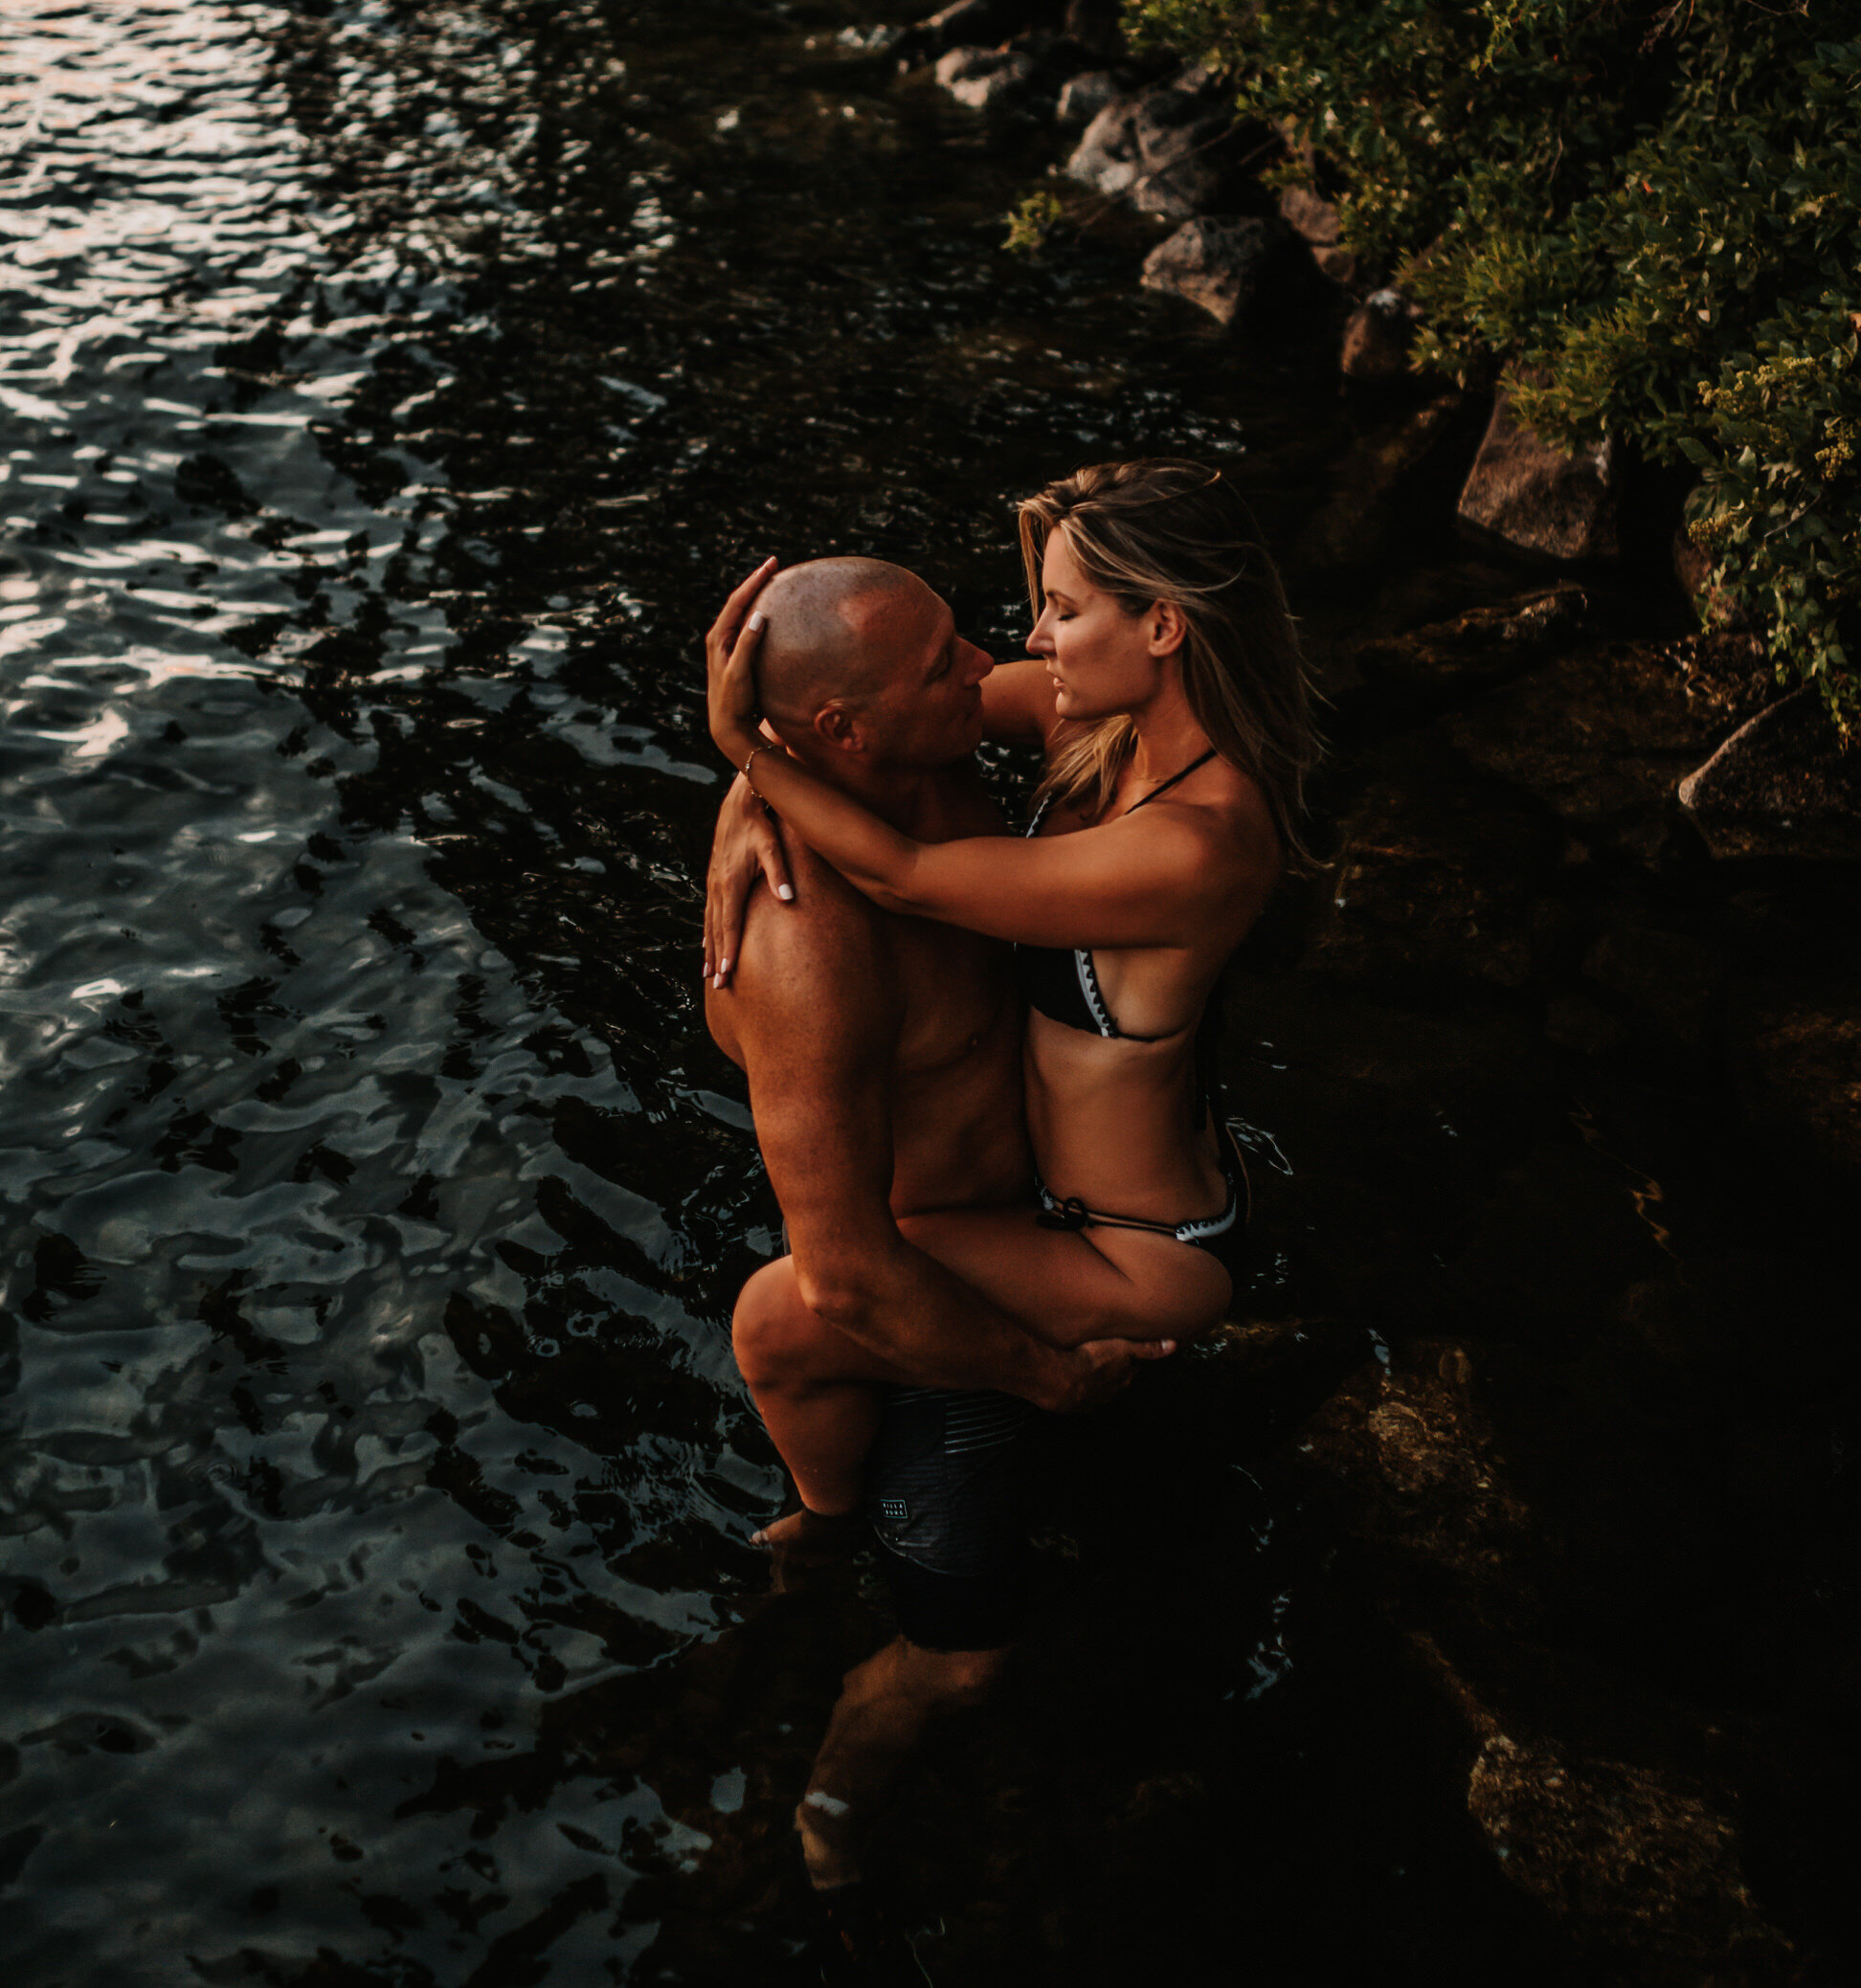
391, 390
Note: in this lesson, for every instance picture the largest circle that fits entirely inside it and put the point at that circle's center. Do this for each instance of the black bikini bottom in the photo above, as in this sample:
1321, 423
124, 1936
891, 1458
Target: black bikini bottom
1223, 1236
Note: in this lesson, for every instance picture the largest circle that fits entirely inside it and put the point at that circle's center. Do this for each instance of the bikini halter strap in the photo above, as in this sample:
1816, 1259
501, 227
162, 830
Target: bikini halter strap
1172, 781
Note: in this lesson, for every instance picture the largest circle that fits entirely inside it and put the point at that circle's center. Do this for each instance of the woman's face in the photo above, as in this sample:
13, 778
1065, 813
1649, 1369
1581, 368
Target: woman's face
1101, 660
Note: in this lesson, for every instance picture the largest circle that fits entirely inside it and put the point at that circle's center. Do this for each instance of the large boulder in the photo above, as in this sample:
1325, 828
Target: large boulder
987, 78
1538, 500
1230, 268
1481, 647
1779, 786
1604, 733
1622, 1856
1173, 148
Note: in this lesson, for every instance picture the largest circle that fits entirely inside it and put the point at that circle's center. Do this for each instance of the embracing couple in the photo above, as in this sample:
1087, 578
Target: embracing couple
978, 1060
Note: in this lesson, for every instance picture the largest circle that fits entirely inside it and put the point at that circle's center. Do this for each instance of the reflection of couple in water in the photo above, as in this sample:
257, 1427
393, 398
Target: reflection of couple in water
978, 1060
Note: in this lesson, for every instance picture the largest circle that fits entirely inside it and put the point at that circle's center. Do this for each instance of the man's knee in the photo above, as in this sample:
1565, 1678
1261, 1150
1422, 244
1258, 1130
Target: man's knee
762, 1330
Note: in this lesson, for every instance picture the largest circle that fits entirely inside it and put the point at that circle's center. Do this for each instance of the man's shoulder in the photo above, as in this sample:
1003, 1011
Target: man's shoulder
829, 951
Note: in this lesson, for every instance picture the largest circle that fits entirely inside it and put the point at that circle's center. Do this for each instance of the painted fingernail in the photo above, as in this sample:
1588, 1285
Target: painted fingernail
758, 620
785, 891
723, 970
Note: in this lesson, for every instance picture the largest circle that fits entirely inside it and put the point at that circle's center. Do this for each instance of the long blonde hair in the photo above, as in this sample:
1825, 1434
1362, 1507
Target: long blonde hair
1175, 531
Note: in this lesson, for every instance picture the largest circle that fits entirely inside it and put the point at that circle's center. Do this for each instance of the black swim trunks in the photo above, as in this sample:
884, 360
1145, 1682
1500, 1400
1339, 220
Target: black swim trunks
943, 1495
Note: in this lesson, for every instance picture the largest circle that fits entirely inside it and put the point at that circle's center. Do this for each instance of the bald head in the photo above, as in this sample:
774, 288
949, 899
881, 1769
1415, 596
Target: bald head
835, 630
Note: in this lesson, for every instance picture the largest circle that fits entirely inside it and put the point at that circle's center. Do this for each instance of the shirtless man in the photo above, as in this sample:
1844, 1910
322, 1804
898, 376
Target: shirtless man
883, 1056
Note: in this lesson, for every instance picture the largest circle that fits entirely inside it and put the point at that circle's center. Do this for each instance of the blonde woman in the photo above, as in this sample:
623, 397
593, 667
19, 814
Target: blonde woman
1165, 686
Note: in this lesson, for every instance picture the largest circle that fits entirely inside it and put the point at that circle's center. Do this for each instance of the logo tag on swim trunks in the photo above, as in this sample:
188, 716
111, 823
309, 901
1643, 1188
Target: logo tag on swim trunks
895, 1511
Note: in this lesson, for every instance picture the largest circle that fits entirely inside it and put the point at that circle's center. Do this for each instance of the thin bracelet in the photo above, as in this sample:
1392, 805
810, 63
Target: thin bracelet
762, 745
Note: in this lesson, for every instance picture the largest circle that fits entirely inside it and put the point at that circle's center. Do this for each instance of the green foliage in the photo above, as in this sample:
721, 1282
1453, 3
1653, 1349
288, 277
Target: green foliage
1650, 209
1031, 223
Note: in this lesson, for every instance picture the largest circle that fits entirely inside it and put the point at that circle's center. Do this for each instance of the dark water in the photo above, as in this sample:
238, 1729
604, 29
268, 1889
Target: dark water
390, 390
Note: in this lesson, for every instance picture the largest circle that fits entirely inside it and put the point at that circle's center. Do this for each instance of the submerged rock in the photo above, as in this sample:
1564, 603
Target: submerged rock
1540, 500
1227, 267
1794, 1048
1673, 979
1436, 882
1624, 1856
1779, 786
1174, 149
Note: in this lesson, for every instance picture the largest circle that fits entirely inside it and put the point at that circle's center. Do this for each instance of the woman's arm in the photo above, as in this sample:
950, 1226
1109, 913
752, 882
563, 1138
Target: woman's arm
1148, 879
1017, 700
746, 844
1145, 880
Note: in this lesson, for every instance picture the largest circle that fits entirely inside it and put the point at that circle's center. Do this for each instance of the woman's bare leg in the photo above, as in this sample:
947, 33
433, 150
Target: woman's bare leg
1066, 1286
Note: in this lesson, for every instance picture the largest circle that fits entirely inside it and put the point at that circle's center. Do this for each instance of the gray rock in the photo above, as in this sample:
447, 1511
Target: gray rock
1376, 339
1779, 786
1224, 266
1174, 149
1485, 645
1311, 215
987, 78
1083, 97
1540, 500
1314, 219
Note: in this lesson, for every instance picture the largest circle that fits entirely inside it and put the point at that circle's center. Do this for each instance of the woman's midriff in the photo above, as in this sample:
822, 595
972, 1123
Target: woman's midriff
1113, 1122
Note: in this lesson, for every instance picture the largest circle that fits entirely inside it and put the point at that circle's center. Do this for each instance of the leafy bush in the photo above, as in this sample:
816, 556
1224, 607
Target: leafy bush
1650, 212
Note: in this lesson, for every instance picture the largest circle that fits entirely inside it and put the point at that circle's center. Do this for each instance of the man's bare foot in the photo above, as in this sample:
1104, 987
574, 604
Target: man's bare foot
804, 1538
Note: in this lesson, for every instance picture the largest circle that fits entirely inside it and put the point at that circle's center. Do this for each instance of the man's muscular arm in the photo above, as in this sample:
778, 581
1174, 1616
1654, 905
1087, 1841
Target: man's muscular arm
816, 1014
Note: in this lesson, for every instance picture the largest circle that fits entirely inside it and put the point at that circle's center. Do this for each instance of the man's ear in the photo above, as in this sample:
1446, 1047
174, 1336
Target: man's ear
837, 725
1168, 629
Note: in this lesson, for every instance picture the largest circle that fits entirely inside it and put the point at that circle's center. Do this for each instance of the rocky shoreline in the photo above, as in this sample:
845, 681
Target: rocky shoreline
1564, 1493
1163, 137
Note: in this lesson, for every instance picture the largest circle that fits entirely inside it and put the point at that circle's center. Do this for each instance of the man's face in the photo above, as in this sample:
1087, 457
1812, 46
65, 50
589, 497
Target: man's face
928, 708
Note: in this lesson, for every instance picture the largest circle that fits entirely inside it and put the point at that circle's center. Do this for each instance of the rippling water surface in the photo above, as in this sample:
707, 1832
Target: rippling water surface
390, 390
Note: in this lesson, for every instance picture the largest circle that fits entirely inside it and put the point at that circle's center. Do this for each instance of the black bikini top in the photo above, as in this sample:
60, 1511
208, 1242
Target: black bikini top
1062, 984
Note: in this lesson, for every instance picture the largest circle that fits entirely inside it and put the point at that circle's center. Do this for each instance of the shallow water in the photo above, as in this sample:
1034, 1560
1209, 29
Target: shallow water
391, 388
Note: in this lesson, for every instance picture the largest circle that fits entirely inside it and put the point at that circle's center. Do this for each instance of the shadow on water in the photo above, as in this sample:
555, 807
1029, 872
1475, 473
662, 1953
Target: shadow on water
395, 385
